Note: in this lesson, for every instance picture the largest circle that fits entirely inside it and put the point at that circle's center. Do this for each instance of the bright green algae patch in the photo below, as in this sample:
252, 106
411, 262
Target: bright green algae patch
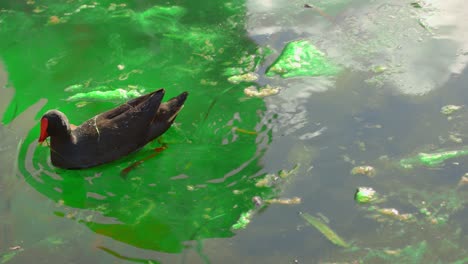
103, 54
301, 58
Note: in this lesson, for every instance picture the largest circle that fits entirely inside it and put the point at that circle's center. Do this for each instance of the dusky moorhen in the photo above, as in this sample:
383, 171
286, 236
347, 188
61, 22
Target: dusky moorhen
109, 135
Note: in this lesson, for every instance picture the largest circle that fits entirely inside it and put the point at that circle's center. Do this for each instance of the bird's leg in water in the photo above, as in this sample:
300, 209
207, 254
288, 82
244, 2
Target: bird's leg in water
157, 150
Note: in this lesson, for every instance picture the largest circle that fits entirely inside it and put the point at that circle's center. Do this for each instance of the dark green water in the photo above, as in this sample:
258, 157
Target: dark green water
181, 205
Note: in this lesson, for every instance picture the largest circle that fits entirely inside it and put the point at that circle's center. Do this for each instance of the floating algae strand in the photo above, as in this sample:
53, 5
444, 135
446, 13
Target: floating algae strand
244, 220
7, 256
300, 58
82, 88
162, 12
114, 95
161, 19
432, 159
325, 230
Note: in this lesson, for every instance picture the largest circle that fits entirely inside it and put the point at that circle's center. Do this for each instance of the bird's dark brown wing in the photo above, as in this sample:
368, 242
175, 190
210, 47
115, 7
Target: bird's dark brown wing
143, 103
128, 121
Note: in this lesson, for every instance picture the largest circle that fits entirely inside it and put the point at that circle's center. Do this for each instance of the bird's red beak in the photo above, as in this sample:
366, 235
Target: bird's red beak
44, 134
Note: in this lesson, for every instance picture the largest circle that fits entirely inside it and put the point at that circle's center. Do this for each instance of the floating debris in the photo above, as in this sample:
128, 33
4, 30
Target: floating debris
74, 88
379, 69
310, 135
463, 181
54, 20
416, 5
268, 181
455, 138
320, 11
361, 145
365, 195
287, 201
258, 201
425, 211
368, 171
247, 77
237, 192
424, 25
301, 58
410, 254
245, 131
325, 230
15, 248
432, 159
450, 109
265, 91
394, 214
288, 173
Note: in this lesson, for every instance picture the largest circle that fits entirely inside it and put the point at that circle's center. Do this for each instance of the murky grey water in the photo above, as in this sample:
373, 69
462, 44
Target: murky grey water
330, 125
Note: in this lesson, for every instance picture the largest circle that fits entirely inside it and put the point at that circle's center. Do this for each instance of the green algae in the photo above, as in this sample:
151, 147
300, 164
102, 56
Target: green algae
301, 58
7, 256
432, 159
244, 220
243, 69
82, 88
365, 195
102, 48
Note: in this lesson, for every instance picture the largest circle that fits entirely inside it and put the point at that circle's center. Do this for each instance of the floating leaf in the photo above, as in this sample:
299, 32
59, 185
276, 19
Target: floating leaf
325, 230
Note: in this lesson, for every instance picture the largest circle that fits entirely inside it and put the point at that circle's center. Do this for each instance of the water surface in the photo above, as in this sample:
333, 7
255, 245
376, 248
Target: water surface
401, 63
